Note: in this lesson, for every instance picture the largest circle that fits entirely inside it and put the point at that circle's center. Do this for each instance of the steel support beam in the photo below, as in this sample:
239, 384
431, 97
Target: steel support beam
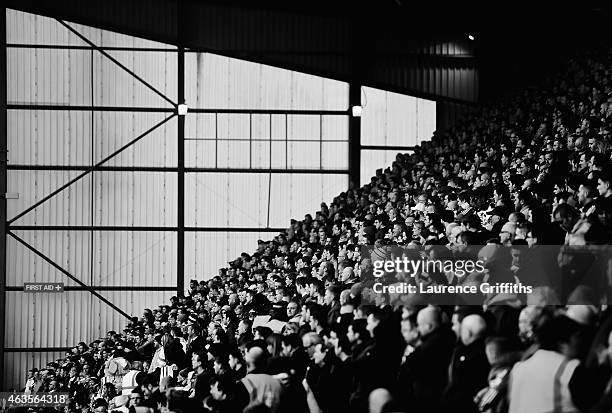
180, 212
387, 148
76, 47
115, 61
354, 136
271, 111
77, 108
67, 274
110, 228
17, 167
3, 186
36, 106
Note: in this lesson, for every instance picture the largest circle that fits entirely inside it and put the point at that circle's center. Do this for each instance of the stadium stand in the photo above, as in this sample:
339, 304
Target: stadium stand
289, 328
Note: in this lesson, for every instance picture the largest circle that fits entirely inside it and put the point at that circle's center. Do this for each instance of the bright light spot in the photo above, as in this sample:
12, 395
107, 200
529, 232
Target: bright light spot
182, 109
471, 36
357, 110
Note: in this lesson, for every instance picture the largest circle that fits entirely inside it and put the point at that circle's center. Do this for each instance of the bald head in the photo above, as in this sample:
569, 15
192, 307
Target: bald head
429, 319
378, 399
473, 327
255, 358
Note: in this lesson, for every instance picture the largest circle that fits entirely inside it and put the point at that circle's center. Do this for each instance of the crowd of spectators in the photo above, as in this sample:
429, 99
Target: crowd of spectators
295, 326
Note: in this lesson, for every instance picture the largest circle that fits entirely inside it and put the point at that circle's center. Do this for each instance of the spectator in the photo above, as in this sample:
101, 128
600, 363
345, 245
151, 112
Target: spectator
424, 374
469, 366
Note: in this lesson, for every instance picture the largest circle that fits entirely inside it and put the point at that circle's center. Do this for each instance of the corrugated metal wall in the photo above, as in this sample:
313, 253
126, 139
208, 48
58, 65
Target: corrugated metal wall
227, 83
392, 119
276, 141
316, 142
43, 76
449, 113
396, 58
443, 68
241, 200
39, 76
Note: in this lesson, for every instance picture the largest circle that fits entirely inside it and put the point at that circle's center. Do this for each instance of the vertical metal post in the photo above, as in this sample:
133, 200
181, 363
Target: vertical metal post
3, 162
354, 131
92, 181
180, 233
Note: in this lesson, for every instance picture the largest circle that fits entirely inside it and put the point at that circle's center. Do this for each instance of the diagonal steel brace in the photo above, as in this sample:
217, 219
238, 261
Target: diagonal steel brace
115, 61
67, 274
93, 168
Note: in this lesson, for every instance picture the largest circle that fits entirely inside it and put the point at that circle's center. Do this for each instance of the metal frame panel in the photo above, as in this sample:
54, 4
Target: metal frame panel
104, 293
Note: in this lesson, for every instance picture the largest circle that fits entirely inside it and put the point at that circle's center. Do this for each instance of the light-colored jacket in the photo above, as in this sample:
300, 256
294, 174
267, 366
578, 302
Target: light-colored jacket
540, 384
263, 388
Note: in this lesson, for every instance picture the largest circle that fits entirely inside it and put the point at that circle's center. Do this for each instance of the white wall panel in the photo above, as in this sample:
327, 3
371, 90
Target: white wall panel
55, 76
113, 86
241, 200
108, 38
135, 198
293, 141
226, 200
223, 82
49, 76
235, 200
64, 319
49, 137
50, 320
120, 198
16, 366
334, 155
294, 195
113, 130
206, 252
27, 28
394, 119
335, 128
71, 206
69, 249
140, 259
426, 119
